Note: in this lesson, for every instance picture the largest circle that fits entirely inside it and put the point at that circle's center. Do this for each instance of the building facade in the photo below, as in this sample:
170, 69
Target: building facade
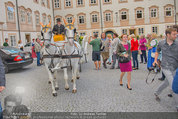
120, 16
91, 16
30, 14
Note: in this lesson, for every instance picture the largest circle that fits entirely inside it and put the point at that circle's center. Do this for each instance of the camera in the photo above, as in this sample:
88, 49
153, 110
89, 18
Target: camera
156, 68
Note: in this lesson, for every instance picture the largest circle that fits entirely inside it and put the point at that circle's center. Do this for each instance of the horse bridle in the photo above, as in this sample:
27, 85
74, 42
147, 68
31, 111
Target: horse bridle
70, 25
44, 28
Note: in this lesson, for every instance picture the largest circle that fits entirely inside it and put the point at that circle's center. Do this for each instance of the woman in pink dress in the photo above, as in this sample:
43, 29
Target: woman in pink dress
124, 50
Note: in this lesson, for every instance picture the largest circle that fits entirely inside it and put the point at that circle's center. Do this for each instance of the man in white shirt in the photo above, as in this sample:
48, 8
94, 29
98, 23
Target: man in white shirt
114, 43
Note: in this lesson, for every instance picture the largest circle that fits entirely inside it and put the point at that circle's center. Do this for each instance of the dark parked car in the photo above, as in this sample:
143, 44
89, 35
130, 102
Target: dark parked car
13, 58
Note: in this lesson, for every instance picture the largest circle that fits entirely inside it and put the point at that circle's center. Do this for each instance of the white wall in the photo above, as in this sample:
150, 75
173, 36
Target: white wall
27, 4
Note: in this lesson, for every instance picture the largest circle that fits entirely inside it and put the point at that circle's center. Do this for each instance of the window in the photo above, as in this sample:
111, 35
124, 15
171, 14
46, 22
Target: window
123, 15
96, 32
81, 20
168, 11
95, 18
155, 30
22, 15
140, 31
122, 0
107, 1
44, 20
82, 34
154, 12
13, 40
124, 31
93, 1
36, 1
56, 4
108, 17
79, 2
48, 3
69, 19
139, 14
37, 19
10, 13
68, 3
168, 26
43, 2
49, 19
29, 17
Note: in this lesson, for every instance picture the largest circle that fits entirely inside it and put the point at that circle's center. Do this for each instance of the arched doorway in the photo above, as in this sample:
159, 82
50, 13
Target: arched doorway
109, 32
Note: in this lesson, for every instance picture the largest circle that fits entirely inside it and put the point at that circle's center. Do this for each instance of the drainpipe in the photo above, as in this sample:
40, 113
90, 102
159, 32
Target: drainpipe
18, 23
2, 33
175, 12
101, 16
53, 11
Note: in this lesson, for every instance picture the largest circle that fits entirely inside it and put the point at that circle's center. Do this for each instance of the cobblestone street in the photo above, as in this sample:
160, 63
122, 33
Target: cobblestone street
97, 91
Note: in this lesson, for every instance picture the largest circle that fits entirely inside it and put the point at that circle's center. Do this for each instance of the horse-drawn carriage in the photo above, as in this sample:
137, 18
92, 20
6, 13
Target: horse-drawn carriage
60, 52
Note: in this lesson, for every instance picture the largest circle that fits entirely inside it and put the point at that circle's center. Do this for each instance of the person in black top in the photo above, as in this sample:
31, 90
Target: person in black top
6, 42
58, 28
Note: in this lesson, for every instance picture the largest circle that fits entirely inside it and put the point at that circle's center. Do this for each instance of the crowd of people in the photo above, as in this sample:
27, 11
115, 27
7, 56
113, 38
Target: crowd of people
145, 47
153, 52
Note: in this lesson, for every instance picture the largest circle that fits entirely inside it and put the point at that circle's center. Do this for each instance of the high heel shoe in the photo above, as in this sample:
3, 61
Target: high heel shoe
121, 84
128, 87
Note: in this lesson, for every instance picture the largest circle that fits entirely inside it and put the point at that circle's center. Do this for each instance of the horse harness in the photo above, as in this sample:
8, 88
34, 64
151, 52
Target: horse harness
52, 56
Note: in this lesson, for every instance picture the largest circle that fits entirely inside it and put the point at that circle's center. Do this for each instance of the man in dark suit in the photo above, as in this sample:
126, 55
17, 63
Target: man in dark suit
2, 82
58, 28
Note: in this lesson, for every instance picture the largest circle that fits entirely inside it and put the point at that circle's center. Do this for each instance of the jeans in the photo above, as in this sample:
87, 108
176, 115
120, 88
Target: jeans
115, 57
38, 58
143, 55
135, 58
110, 56
167, 82
0, 111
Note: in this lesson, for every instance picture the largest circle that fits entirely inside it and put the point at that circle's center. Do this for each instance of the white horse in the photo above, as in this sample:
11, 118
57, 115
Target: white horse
62, 48
71, 48
51, 64
84, 49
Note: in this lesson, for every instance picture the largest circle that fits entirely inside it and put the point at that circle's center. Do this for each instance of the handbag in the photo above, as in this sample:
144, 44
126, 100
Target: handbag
139, 52
123, 59
101, 46
153, 54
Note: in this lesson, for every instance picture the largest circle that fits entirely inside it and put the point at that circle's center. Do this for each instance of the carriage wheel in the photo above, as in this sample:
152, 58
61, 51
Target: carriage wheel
86, 58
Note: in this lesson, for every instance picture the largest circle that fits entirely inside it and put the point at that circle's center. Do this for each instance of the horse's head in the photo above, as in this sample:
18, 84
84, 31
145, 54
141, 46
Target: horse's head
70, 31
46, 33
